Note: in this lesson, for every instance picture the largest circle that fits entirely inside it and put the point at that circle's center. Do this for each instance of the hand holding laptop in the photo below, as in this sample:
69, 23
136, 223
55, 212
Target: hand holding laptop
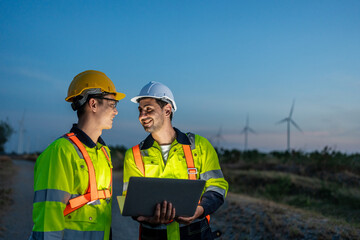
159, 200
187, 220
164, 213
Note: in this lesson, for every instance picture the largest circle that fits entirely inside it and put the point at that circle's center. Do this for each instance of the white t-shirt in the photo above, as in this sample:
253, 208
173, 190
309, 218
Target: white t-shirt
165, 151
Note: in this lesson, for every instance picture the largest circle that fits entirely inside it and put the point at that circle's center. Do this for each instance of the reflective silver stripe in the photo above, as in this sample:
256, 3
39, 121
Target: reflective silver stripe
108, 155
211, 174
76, 148
216, 189
191, 138
91, 235
96, 202
58, 235
141, 144
51, 195
125, 186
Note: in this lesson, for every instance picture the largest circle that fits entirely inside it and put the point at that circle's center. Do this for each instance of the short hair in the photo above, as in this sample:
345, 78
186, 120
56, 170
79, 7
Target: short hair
161, 103
81, 110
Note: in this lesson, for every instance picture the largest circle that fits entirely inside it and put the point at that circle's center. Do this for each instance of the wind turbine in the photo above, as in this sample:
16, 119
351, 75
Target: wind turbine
218, 137
246, 130
289, 120
21, 134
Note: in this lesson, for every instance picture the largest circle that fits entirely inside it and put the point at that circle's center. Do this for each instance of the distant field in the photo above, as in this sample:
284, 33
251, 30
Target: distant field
328, 198
321, 185
244, 217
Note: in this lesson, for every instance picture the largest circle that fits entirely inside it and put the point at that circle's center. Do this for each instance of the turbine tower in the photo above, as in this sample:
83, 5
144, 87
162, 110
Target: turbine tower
289, 120
245, 131
21, 135
218, 138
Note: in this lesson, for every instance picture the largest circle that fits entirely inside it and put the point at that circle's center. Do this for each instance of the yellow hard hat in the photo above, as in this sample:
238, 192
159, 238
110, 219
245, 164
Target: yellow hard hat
92, 79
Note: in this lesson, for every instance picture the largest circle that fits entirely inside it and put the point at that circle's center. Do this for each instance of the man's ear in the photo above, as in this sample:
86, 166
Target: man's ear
92, 104
168, 109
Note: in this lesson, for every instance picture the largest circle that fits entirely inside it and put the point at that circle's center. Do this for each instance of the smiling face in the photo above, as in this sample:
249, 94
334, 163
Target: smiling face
151, 115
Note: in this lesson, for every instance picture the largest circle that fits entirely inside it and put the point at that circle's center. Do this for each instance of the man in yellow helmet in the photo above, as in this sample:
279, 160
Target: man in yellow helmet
73, 176
169, 153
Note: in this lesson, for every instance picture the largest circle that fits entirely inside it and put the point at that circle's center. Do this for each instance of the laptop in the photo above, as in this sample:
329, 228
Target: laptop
144, 193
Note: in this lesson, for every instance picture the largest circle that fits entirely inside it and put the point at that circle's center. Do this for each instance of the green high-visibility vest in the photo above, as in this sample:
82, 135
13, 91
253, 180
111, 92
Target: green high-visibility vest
61, 174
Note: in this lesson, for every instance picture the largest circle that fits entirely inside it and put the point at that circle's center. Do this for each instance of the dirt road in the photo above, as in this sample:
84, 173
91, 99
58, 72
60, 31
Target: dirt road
241, 217
18, 219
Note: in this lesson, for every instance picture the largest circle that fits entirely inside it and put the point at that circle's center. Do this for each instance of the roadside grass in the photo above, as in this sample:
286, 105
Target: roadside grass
328, 160
330, 199
245, 217
6, 172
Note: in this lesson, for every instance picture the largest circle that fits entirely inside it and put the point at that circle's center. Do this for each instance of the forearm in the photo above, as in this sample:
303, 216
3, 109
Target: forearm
211, 201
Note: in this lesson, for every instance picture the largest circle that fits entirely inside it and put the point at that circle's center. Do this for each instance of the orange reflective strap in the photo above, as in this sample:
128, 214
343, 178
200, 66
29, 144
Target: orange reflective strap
192, 171
69, 209
80, 200
138, 160
108, 158
76, 203
92, 193
92, 178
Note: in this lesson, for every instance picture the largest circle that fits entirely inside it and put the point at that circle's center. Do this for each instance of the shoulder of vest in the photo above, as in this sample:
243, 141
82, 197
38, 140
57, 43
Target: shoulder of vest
62, 139
74, 145
65, 137
141, 144
191, 137
107, 150
132, 148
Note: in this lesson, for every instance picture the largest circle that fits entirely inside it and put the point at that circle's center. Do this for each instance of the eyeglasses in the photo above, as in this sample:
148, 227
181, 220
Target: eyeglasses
112, 105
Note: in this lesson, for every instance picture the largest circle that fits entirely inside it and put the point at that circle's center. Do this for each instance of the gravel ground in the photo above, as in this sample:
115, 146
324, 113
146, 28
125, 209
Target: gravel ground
17, 220
243, 217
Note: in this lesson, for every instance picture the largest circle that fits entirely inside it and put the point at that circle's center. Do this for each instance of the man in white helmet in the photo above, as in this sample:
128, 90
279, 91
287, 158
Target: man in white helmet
169, 153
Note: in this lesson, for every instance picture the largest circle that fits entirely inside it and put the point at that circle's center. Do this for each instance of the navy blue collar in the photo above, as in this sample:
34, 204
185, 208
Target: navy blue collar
180, 137
84, 138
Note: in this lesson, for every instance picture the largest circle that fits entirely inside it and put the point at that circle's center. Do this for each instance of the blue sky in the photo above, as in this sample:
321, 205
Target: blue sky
222, 60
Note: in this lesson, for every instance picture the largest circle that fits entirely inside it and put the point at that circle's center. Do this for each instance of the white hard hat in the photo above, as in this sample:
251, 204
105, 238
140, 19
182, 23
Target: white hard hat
156, 90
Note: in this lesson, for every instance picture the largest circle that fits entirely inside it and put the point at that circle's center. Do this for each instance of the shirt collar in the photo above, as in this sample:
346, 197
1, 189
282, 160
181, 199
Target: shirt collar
180, 138
84, 138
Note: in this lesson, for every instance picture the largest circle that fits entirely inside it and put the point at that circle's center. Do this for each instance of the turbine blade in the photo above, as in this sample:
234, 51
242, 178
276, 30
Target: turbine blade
281, 121
292, 108
292, 121
251, 130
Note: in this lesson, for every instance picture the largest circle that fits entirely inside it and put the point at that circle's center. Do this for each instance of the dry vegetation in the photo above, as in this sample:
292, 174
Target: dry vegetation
290, 196
244, 217
6, 172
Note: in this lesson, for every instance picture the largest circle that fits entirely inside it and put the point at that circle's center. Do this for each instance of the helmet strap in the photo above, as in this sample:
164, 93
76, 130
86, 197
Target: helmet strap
82, 98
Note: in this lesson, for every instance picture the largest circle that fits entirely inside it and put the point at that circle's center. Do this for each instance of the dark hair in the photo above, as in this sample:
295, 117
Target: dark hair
161, 103
81, 110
